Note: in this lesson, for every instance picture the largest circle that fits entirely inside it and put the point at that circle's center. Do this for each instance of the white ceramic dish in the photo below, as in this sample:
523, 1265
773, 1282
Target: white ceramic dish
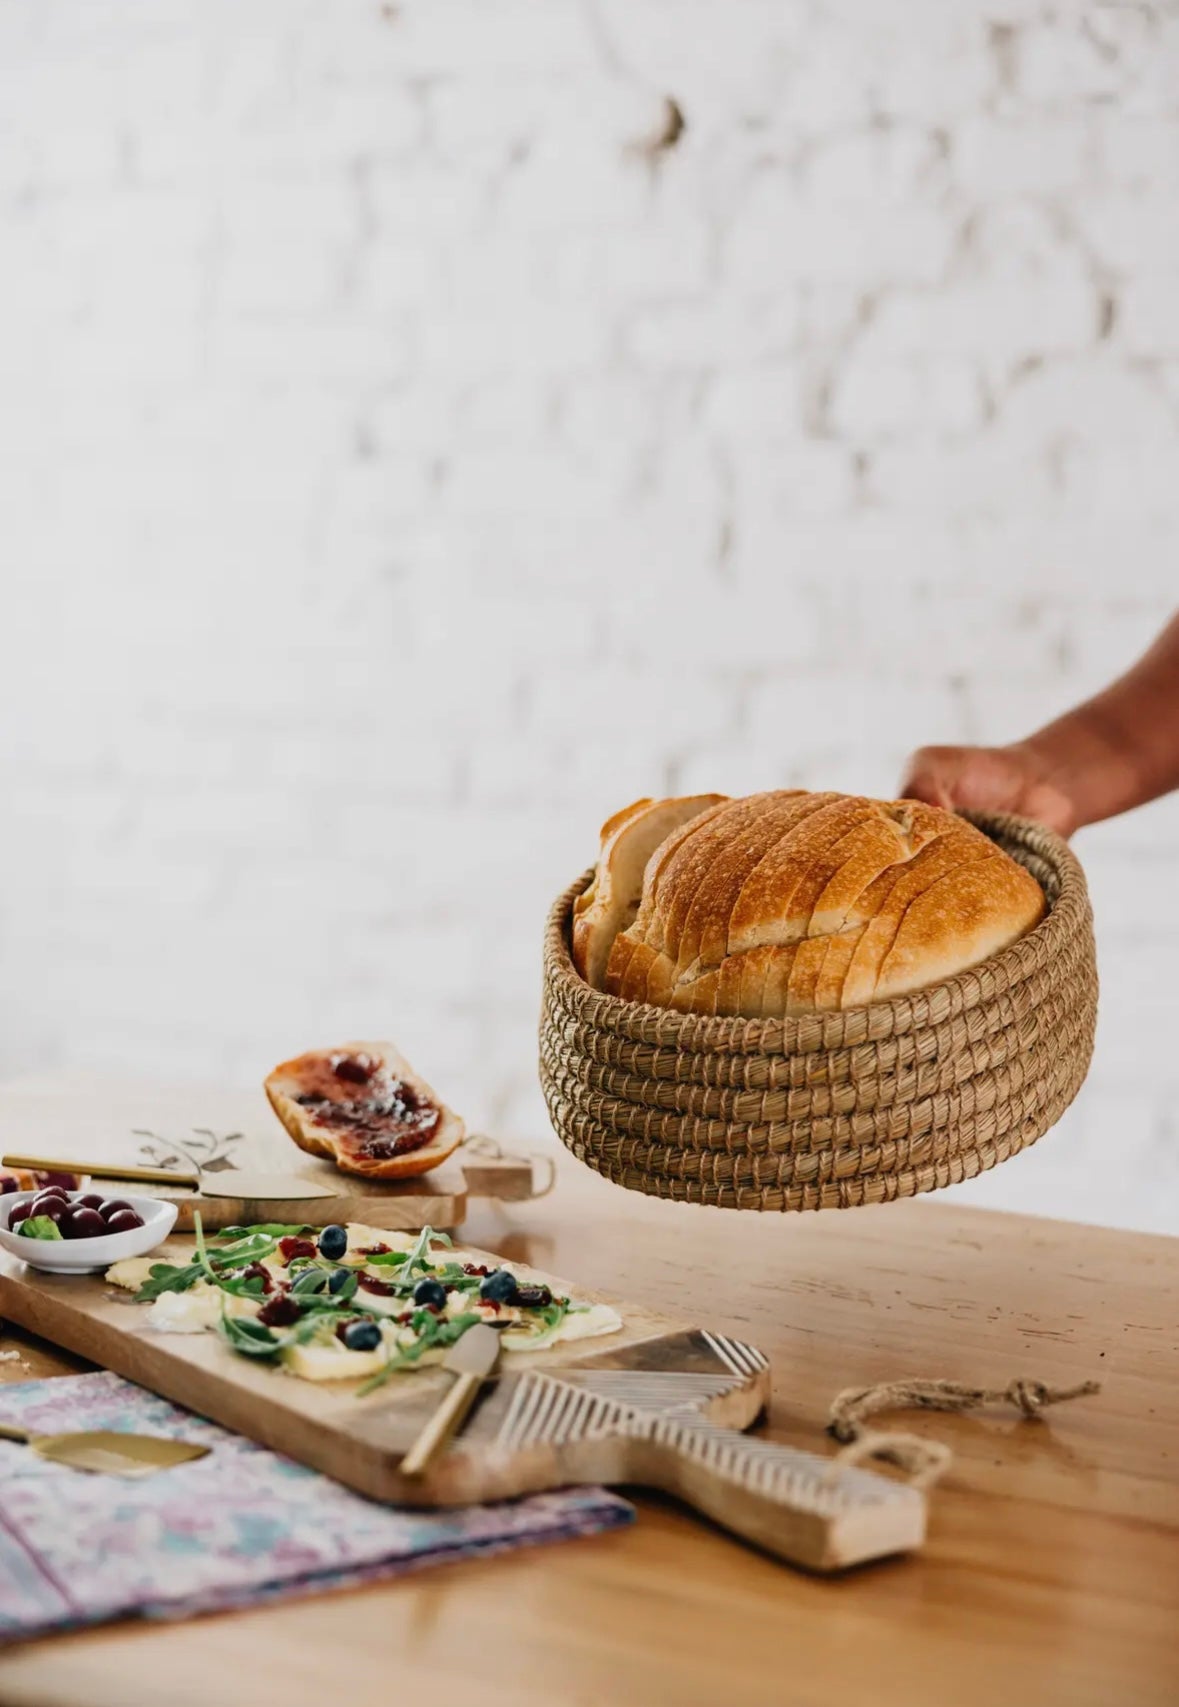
84, 1256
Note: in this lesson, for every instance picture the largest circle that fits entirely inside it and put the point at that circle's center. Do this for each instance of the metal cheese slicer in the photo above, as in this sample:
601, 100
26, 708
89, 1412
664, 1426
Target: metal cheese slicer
107, 1453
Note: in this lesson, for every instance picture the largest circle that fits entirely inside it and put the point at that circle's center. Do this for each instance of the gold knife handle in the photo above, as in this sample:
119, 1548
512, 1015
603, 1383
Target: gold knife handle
443, 1425
7, 1432
103, 1170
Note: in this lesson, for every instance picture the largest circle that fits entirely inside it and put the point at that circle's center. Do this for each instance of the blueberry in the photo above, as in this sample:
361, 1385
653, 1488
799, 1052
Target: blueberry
362, 1336
333, 1242
429, 1291
499, 1287
339, 1279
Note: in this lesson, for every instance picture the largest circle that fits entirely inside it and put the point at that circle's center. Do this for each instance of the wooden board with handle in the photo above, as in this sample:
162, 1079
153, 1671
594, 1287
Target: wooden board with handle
241, 1150
659, 1404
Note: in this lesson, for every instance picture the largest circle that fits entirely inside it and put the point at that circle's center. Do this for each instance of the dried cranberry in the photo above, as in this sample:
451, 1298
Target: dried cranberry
479, 1268
383, 1288
280, 1312
289, 1247
375, 1251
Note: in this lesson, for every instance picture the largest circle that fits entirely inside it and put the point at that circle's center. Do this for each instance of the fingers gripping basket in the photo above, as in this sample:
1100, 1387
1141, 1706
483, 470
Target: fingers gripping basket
827, 1110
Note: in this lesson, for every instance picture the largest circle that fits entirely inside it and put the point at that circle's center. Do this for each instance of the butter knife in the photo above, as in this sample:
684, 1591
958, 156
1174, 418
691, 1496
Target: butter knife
471, 1360
233, 1182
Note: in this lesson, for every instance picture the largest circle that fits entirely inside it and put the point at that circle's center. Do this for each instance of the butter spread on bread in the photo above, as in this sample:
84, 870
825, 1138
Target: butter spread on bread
791, 902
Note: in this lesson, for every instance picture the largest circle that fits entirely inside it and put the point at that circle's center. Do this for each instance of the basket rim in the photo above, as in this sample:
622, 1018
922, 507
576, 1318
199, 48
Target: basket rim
1067, 912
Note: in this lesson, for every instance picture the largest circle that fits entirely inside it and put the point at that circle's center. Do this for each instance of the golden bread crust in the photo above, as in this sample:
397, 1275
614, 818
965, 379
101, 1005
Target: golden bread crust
790, 902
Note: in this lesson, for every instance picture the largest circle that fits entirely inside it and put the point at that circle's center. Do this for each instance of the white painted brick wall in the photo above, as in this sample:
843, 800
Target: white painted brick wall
401, 472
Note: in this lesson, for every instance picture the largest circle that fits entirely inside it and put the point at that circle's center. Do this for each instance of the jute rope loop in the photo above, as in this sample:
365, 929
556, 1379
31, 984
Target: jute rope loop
849, 1408
925, 1460
830, 1110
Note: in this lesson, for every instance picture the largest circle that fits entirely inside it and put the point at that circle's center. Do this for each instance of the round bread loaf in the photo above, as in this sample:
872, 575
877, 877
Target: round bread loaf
791, 902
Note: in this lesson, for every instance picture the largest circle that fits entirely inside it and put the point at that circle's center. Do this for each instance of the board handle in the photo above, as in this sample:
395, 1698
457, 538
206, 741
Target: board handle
809, 1510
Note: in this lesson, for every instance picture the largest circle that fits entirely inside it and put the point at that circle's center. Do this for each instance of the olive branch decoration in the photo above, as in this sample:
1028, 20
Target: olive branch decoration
206, 1150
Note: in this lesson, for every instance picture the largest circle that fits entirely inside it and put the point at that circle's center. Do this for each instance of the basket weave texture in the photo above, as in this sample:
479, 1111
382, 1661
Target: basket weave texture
829, 1110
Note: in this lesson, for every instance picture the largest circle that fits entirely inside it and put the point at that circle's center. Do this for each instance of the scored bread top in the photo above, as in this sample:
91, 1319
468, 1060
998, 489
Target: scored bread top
790, 902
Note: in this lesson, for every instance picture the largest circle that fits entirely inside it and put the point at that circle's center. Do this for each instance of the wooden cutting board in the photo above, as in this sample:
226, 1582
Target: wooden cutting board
658, 1404
229, 1133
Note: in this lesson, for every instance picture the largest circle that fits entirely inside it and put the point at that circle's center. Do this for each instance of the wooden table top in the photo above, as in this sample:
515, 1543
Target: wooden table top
1051, 1573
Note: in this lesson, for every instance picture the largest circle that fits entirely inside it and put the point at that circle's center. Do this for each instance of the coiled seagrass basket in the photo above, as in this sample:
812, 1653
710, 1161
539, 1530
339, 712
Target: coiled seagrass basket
828, 1110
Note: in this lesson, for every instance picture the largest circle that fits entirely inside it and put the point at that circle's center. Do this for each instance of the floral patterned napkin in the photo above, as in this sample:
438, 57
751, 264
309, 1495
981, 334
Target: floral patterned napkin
237, 1527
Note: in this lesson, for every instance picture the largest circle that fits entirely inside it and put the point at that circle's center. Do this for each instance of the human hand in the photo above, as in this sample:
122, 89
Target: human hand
992, 779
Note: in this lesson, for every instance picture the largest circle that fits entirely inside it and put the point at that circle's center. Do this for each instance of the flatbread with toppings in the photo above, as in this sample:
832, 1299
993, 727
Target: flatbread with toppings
348, 1303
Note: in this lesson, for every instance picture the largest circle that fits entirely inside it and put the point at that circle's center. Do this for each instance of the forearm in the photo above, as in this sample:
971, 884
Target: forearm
1121, 748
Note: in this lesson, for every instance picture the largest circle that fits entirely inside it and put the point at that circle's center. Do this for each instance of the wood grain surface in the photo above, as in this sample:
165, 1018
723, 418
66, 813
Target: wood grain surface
1049, 1575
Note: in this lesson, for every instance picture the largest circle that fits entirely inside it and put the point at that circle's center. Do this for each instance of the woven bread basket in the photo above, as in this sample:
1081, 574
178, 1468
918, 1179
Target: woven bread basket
829, 1110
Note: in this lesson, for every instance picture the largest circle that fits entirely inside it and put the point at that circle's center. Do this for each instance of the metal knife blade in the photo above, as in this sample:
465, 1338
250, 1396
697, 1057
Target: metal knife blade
476, 1353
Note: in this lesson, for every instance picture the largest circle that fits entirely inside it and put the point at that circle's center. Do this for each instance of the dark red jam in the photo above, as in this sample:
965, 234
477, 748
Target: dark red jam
384, 1116
292, 1247
279, 1312
383, 1288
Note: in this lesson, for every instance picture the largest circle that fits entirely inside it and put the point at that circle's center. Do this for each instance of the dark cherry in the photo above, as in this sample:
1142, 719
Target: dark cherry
19, 1214
112, 1206
92, 1200
84, 1224
55, 1207
122, 1221
52, 1194
8, 1182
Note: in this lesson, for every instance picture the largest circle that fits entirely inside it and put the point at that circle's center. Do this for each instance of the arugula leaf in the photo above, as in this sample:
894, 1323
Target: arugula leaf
419, 1256
38, 1227
243, 1286
347, 1292
202, 1254
249, 1337
272, 1229
168, 1277
436, 1332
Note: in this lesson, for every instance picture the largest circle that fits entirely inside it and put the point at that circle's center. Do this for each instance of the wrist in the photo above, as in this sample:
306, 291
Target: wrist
1083, 768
